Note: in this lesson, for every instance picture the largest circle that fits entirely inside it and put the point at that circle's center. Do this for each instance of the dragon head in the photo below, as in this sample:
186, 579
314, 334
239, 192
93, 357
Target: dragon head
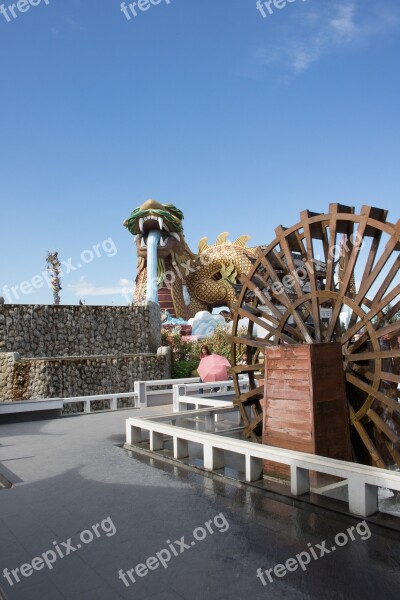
164, 217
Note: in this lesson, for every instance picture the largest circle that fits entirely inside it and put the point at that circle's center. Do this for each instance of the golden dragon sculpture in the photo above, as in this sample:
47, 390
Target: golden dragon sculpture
187, 282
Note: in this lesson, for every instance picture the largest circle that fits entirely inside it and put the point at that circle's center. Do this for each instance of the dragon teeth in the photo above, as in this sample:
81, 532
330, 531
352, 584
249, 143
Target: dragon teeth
141, 221
160, 222
175, 235
142, 243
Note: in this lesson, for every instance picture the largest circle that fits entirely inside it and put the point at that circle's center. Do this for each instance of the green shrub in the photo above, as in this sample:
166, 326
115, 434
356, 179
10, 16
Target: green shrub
183, 368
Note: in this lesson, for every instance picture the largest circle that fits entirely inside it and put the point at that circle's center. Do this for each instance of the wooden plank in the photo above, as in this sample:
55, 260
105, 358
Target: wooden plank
284, 364
297, 351
289, 427
283, 405
290, 375
282, 390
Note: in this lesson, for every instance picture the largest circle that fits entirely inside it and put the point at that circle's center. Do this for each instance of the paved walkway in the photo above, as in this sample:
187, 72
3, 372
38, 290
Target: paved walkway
72, 474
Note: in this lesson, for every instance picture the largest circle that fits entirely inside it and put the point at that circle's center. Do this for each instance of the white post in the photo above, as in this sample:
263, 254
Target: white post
209, 422
156, 441
177, 391
213, 458
299, 480
113, 403
254, 468
87, 406
181, 448
140, 389
128, 432
363, 498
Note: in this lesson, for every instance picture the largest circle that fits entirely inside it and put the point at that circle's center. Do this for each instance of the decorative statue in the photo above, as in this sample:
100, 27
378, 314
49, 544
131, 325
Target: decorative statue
183, 282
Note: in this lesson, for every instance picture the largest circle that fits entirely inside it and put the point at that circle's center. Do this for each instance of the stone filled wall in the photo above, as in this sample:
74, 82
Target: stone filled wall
66, 351
7, 360
31, 379
54, 331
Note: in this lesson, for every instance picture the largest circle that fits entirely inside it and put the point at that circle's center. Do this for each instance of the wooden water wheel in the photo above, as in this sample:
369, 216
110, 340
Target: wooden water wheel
330, 277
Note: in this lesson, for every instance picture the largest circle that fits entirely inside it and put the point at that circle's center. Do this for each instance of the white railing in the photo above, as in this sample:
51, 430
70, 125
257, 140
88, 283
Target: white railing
113, 399
20, 406
181, 399
363, 481
147, 396
143, 396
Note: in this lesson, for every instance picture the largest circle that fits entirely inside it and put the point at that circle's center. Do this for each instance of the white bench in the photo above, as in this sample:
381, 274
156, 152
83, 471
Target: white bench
363, 481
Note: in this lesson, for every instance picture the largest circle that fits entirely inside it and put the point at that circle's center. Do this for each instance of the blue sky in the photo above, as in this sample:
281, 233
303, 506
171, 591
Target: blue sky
240, 121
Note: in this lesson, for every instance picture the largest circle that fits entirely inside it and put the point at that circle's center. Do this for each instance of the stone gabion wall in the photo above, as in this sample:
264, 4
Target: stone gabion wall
54, 331
7, 360
31, 379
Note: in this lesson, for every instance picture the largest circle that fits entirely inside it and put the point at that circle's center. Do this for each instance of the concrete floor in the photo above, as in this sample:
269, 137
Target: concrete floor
72, 473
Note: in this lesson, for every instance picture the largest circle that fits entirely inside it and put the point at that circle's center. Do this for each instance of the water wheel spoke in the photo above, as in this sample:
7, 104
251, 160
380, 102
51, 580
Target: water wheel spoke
390, 247
330, 265
377, 308
249, 341
392, 377
245, 369
364, 289
376, 457
395, 353
363, 371
380, 332
384, 317
285, 301
256, 393
393, 452
288, 253
360, 414
382, 426
312, 277
349, 273
253, 427
265, 301
392, 404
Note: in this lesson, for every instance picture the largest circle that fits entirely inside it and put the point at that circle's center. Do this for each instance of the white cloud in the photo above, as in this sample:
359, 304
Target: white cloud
84, 288
314, 30
343, 24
